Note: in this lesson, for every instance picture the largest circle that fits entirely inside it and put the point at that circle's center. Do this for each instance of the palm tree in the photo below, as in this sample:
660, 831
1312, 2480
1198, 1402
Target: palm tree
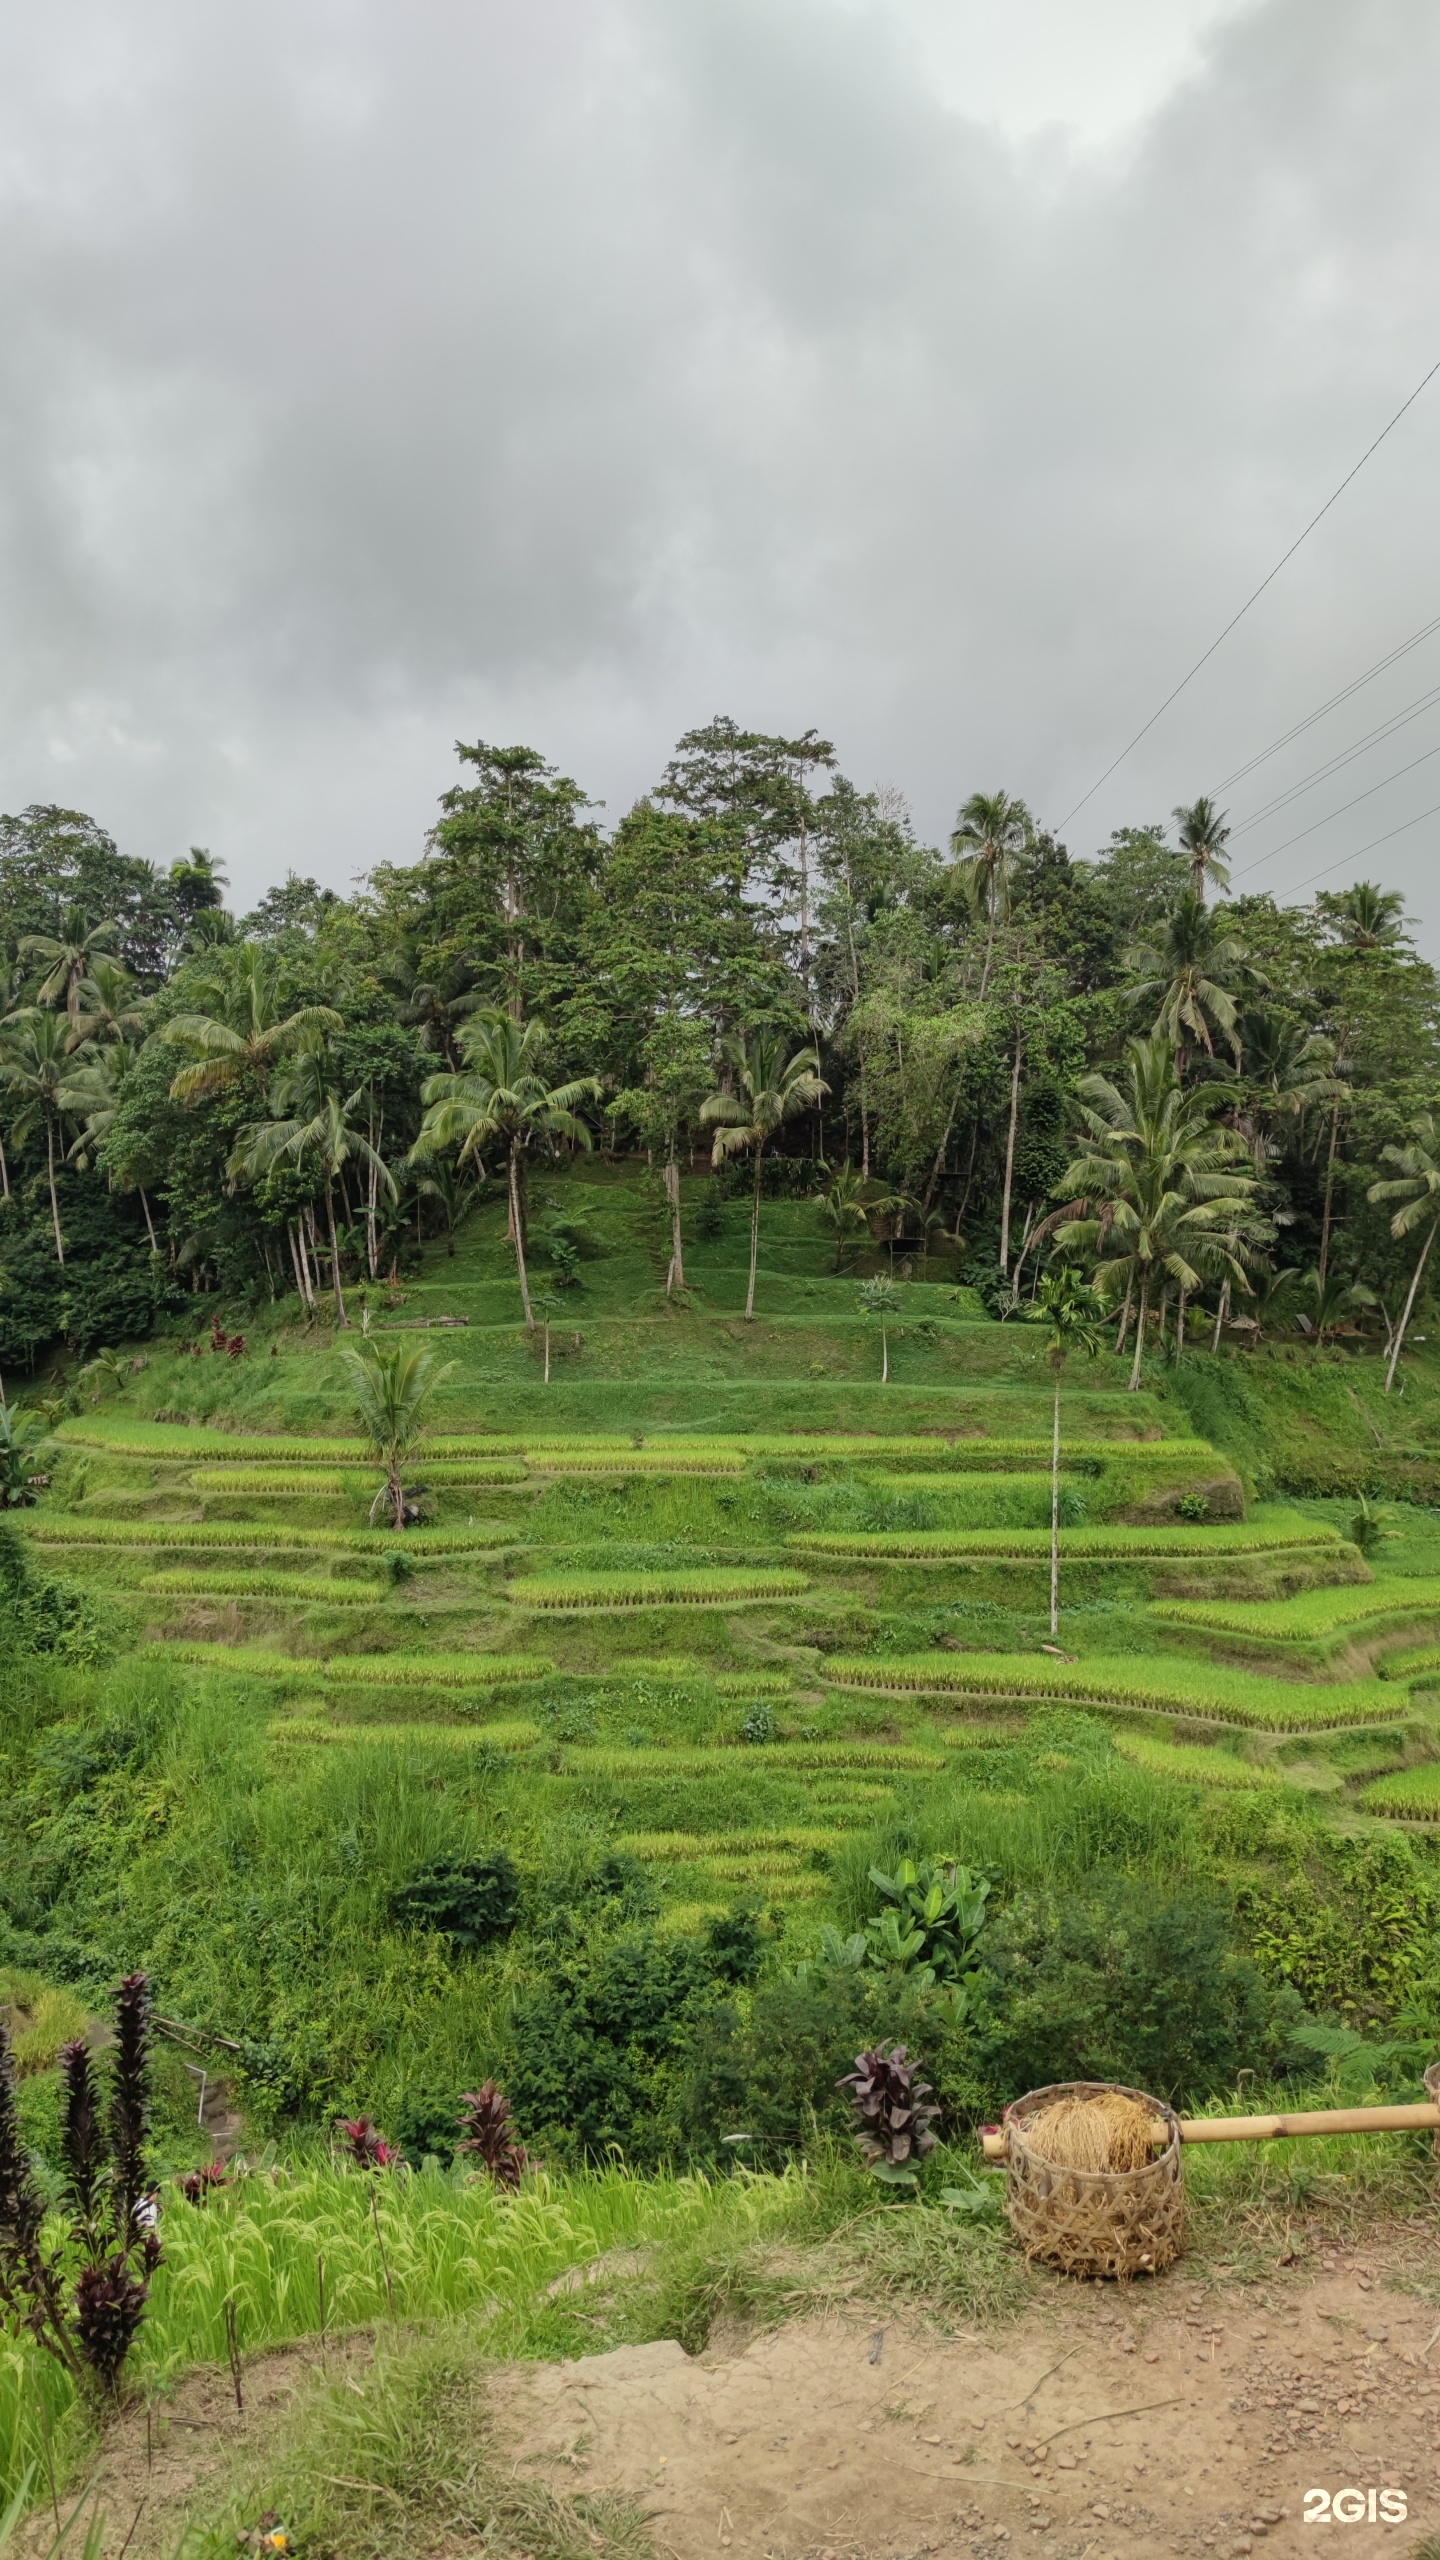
1204, 836
1074, 1313
1153, 1190
991, 831
92, 1093
842, 1207
70, 955
502, 1093
1191, 967
25, 1446
35, 1064
247, 1032
392, 1385
1417, 1188
877, 1298
313, 1124
1287, 1070
1366, 917
1333, 1301
773, 1088
107, 1006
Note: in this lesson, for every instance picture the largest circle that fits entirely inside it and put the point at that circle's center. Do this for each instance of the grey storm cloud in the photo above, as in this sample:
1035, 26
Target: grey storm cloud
373, 375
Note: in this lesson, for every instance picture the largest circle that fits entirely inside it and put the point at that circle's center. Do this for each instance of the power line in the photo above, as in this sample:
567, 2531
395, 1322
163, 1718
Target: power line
1336, 763
1315, 823
1333, 704
1362, 850
1266, 581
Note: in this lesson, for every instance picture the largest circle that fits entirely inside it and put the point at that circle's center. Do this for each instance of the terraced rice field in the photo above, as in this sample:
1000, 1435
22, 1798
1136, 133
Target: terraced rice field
732, 1617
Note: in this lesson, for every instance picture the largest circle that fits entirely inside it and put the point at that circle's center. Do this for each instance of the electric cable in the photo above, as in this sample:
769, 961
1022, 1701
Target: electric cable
1322, 772
1362, 850
1266, 581
1298, 838
1333, 704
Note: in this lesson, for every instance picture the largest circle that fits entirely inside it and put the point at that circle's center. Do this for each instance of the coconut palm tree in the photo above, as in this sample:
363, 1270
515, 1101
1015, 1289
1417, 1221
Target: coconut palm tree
1155, 1195
314, 1125
1366, 917
35, 1064
991, 831
25, 1450
1416, 1187
392, 1384
92, 1093
247, 1031
68, 956
842, 1207
107, 1005
1192, 967
501, 1093
1073, 1312
1204, 836
1287, 1069
773, 1086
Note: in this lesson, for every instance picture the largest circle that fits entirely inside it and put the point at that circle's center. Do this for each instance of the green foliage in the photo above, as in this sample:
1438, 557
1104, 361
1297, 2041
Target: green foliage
1157, 1685
931, 1919
470, 1901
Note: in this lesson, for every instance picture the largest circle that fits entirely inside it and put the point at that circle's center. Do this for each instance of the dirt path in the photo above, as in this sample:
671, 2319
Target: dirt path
839, 2437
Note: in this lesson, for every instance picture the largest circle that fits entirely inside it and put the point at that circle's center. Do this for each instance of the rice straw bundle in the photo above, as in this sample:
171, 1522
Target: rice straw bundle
1110, 2130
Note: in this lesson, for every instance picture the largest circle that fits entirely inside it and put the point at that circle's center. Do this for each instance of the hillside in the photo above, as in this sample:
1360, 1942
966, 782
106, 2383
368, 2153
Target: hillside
567, 1784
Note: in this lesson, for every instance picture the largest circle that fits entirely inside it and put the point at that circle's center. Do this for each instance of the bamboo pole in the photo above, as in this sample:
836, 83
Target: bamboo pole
995, 2140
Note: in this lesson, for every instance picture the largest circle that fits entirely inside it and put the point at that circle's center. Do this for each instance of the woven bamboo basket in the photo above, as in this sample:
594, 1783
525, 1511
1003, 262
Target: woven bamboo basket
1095, 2222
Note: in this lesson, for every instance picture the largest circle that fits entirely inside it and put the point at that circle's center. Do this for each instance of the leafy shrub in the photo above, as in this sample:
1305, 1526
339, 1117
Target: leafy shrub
759, 1724
893, 2123
1193, 1506
488, 2137
710, 1218
598, 2049
931, 1919
734, 1946
1113, 1984
470, 1901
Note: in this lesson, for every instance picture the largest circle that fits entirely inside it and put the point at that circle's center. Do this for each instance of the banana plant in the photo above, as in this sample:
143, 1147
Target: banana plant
935, 1913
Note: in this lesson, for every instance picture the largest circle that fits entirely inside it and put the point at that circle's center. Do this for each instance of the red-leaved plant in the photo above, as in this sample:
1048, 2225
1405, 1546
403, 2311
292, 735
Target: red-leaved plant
892, 2120
369, 2148
83, 2298
488, 2135
197, 2186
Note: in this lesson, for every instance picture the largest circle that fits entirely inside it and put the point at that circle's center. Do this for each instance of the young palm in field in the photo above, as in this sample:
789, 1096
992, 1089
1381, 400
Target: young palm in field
1073, 1312
1417, 1188
35, 1064
392, 1385
501, 1092
773, 1086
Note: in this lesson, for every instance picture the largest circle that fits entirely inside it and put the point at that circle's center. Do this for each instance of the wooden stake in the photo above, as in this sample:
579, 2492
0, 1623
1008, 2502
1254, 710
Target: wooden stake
995, 2141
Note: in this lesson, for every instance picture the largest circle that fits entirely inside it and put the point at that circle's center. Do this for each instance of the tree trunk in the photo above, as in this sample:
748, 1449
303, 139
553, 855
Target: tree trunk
334, 1253
4, 1174
938, 1166
1010, 1162
675, 1276
884, 1353
754, 1240
1140, 1332
517, 1228
54, 1202
1221, 1313
1324, 1262
547, 1351
1121, 1336
1055, 1514
989, 952
1180, 1325
149, 1221
1408, 1309
864, 1128
396, 1490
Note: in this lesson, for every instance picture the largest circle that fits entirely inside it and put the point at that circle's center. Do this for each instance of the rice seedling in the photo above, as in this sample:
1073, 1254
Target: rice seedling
697, 1761
317, 1588
1210, 1692
1196, 1763
754, 1684
1407, 1795
1347, 1609
1418, 1666
704, 1587
363, 1670
317, 1479
1118, 1545
62, 1529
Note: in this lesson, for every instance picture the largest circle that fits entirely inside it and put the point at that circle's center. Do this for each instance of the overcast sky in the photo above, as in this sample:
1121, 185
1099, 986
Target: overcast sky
940, 373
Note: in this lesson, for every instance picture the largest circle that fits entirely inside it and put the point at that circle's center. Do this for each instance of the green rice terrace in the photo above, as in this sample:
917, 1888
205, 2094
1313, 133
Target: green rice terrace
582, 1782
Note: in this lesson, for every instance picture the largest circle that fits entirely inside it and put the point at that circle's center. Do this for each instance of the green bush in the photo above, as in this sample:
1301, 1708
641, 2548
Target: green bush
470, 1901
597, 2051
1109, 1983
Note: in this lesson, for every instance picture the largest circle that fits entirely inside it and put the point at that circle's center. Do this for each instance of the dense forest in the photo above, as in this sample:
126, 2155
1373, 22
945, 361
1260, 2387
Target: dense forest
989, 1051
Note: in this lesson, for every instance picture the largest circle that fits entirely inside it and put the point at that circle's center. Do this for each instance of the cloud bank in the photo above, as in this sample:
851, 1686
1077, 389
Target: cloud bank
370, 377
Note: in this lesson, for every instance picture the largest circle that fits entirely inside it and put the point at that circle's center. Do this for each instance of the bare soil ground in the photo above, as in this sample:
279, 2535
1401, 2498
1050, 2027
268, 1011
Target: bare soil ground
1166, 2418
